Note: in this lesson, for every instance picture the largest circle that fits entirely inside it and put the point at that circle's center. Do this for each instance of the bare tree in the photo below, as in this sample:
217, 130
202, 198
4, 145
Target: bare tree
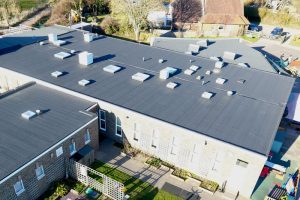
136, 11
8, 9
186, 11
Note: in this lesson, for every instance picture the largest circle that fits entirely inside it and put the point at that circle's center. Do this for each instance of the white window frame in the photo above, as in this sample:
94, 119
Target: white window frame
136, 132
59, 152
73, 152
39, 168
22, 189
102, 120
87, 135
155, 138
120, 126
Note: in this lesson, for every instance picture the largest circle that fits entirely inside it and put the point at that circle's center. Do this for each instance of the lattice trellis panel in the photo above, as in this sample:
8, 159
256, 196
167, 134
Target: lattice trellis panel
108, 187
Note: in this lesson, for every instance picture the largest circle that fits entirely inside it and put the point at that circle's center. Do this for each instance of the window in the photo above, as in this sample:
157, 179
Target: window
72, 148
155, 136
118, 127
39, 171
87, 137
102, 115
59, 151
241, 163
137, 131
19, 187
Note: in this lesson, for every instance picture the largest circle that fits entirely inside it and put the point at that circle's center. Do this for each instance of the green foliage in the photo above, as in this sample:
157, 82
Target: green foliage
209, 185
168, 165
110, 25
181, 173
155, 162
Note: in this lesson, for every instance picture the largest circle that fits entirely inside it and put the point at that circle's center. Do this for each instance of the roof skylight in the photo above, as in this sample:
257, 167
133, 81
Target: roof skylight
56, 74
172, 85
140, 77
62, 55
112, 69
84, 82
220, 81
28, 114
207, 95
189, 72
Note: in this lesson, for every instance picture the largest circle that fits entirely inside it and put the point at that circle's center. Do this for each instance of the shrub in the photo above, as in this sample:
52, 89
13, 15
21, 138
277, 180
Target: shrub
155, 162
110, 25
168, 165
209, 185
181, 173
61, 189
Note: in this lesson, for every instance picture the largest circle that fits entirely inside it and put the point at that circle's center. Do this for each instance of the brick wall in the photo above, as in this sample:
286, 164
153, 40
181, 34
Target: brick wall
54, 168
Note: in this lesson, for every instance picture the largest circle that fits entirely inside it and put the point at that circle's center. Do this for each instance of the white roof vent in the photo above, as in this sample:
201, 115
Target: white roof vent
28, 114
216, 70
188, 53
194, 48
167, 72
203, 43
219, 64
220, 81
42, 43
172, 85
207, 95
59, 43
140, 77
52, 37
84, 82
242, 81
86, 58
189, 72
208, 72
161, 60
229, 55
62, 55
72, 51
56, 74
112, 69
194, 67
199, 77
243, 65
215, 58
230, 93
88, 37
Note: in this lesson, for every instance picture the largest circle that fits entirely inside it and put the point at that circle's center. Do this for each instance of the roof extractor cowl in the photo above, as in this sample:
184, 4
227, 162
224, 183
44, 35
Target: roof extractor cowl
86, 58
88, 37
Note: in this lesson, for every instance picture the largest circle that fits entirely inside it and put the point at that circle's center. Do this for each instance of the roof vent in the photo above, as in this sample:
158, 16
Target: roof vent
194, 67
188, 53
28, 114
112, 69
167, 72
88, 37
220, 81
42, 43
219, 64
229, 55
86, 58
242, 81
189, 72
84, 82
172, 85
161, 60
203, 43
62, 55
140, 77
59, 43
56, 74
216, 70
194, 48
52, 37
207, 95
72, 51
230, 93
215, 58
199, 77
208, 72
38, 112
243, 65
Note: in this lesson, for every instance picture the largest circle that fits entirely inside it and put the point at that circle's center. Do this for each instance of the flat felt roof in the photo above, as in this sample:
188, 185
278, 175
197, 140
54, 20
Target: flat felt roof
248, 119
22, 140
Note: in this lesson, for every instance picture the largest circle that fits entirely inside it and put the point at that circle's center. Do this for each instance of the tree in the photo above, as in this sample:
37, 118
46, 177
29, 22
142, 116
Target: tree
136, 11
8, 9
186, 11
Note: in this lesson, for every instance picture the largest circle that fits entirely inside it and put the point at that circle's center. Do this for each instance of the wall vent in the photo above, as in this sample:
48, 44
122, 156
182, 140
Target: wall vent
140, 77
172, 85
167, 72
88, 37
207, 95
219, 65
56, 74
86, 58
220, 81
229, 55
112, 69
28, 114
84, 82
62, 55
189, 72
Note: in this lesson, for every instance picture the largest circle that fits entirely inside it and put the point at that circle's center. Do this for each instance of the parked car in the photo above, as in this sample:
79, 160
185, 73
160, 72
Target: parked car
253, 27
276, 33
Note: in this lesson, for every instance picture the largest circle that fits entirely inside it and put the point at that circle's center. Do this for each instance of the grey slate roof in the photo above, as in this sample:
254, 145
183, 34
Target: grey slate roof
217, 48
248, 119
22, 140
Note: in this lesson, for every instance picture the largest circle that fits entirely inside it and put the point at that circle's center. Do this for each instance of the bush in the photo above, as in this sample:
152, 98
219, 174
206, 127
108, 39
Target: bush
168, 165
209, 185
155, 162
181, 173
110, 25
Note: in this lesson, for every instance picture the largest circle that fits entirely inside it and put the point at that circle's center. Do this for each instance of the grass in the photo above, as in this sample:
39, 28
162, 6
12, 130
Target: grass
295, 41
250, 39
134, 187
29, 4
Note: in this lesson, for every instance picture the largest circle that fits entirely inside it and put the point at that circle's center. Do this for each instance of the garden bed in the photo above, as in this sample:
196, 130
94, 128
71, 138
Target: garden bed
180, 173
155, 162
209, 186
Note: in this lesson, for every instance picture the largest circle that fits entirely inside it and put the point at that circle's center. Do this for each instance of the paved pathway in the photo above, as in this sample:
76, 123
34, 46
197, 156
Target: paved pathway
160, 178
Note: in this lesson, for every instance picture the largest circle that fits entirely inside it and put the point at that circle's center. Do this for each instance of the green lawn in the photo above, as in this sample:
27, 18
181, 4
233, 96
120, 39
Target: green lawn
136, 188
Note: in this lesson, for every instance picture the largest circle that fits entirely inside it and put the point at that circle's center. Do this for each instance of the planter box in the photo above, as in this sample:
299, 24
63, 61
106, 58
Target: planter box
151, 166
178, 178
196, 180
207, 191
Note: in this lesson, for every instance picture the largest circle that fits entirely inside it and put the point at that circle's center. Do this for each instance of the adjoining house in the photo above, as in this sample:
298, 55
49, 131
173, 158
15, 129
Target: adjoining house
209, 117
40, 129
216, 49
223, 18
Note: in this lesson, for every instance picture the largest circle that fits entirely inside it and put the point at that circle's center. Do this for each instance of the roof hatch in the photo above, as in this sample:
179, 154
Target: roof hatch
140, 77
112, 69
